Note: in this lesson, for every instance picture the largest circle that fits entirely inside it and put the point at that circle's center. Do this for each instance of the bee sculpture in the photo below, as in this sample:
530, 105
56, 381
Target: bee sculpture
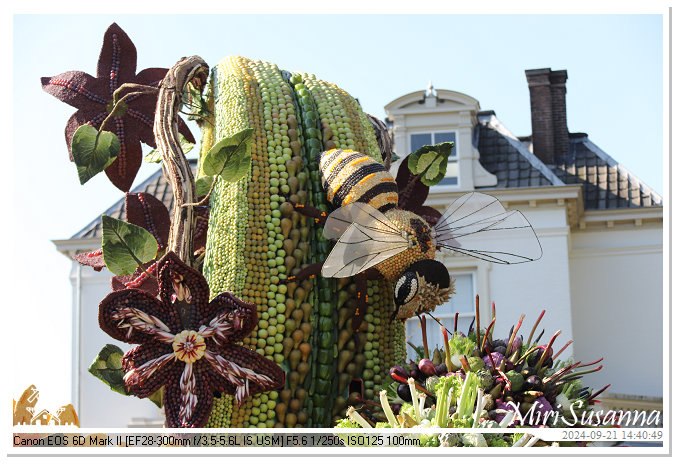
378, 240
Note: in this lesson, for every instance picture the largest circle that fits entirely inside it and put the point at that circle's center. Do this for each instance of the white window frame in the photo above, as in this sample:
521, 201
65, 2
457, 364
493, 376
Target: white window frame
432, 132
480, 271
453, 160
448, 320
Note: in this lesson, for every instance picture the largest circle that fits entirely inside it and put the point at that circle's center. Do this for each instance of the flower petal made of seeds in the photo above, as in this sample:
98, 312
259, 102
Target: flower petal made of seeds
413, 196
184, 130
172, 398
167, 368
77, 89
189, 394
231, 318
243, 363
118, 58
124, 169
429, 214
151, 76
139, 280
182, 281
95, 259
145, 210
141, 114
129, 329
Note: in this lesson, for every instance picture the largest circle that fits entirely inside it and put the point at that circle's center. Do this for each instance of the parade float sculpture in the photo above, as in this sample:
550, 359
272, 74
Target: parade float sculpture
218, 293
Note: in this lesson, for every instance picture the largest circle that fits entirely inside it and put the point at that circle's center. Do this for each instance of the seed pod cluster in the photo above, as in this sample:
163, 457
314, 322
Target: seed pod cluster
380, 335
256, 239
238, 255
344, 126
221, 412
320, 308
398, 341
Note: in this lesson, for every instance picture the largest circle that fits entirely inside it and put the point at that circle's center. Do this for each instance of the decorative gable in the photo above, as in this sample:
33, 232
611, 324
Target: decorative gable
434, 116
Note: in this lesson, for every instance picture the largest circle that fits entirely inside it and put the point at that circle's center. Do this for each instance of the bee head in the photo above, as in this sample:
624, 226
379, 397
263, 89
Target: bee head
421, 288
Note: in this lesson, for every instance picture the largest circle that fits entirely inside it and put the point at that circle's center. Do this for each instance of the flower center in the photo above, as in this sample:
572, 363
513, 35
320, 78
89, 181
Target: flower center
188, 346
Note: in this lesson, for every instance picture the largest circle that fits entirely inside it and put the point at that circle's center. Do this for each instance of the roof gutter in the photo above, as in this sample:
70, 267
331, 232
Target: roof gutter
439, 196
568, 196
72, 246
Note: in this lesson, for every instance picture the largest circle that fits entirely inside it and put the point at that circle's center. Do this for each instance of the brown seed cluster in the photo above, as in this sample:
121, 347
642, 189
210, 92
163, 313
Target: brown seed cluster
393, 267
173, 273
117, 328
141, 354
204, 388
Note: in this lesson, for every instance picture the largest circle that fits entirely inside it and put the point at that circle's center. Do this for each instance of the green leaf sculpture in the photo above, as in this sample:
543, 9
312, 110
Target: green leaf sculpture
157, 397
230, 157
203, 185
154, 155
108, 368
93, 151
126, 246
430, 162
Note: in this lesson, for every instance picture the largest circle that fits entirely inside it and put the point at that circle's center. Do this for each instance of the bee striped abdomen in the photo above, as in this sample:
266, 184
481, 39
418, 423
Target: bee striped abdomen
349, 176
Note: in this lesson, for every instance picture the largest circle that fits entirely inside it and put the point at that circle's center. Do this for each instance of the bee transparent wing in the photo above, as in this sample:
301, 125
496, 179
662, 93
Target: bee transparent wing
339, 220
361, 247
477, 225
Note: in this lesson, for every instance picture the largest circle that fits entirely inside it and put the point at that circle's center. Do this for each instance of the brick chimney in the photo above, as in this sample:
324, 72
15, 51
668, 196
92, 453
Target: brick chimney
548, 113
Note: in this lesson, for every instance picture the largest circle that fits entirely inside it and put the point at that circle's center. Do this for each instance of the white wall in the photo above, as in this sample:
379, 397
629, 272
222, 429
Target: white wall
616, 277
528, 288
96, 404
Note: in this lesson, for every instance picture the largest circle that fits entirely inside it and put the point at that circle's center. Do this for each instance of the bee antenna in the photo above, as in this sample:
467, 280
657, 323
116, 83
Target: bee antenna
439, 323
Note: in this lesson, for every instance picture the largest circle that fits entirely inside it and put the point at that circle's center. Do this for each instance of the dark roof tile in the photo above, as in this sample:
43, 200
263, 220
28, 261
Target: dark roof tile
605, 183
507, 159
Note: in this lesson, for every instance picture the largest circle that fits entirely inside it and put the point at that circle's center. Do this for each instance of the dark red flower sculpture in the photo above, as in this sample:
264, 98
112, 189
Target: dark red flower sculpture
145, 210
187, 344
412, 194
93, 97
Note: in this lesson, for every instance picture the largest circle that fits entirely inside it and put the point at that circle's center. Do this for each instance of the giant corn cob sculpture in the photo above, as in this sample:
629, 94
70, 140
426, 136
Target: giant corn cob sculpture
256, 240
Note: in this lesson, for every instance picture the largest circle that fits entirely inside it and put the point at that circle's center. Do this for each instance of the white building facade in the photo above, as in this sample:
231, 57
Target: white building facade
600, 228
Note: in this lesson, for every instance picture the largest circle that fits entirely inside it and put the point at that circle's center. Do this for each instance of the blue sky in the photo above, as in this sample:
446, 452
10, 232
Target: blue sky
614, 93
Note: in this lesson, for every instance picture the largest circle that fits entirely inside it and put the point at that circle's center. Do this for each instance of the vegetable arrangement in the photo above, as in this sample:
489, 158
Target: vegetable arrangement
256, 239
478, 381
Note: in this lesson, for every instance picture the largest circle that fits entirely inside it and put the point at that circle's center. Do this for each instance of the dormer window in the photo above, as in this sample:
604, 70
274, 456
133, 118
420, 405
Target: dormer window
433, 116
418, 140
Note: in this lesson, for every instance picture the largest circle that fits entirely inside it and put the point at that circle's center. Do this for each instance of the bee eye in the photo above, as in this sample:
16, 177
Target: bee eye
405, 288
